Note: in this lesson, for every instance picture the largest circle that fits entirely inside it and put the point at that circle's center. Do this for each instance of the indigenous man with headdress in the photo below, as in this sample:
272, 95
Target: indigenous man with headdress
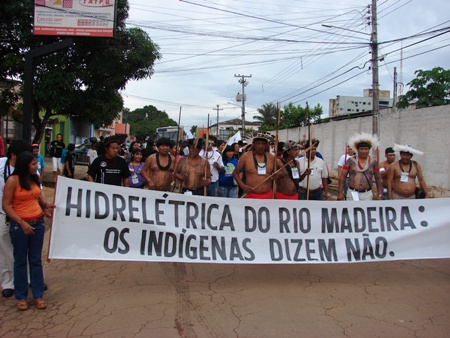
258, 165
361, 169
287, 184
191, 170
401, 182
158, 167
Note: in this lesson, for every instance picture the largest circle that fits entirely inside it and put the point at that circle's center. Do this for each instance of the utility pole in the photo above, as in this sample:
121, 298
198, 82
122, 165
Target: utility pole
244, 83
217, 108
394, 101
375, 81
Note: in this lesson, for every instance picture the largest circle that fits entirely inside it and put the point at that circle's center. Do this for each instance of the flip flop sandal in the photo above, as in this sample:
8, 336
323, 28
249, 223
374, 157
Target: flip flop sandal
40, 304
22, 305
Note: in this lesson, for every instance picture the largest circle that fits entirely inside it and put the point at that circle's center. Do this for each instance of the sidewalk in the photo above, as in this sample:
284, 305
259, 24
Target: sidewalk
140, 299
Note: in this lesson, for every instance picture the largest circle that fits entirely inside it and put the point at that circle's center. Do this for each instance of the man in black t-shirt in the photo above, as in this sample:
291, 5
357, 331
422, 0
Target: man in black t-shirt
109, 168
69, 164
56, 150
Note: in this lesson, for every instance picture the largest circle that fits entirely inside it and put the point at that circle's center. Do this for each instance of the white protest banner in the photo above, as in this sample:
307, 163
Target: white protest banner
101, 222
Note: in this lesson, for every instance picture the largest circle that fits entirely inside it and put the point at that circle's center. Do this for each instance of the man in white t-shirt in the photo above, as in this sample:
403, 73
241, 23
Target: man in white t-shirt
316, 173
214, 159
92, 153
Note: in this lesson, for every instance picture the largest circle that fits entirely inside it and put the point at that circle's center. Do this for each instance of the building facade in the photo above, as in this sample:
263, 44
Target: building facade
345, 105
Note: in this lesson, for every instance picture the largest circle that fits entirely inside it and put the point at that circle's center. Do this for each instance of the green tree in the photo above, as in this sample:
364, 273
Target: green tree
297, 116
144, 121
82, 81
267, 116
430, 88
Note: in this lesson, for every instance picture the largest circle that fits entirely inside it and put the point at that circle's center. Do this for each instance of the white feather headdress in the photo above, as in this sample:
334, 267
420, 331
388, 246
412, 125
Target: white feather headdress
363, 137
251, 137
406, 149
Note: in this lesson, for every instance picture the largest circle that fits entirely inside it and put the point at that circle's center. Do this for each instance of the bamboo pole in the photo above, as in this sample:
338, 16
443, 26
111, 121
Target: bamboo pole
176, 156
206, 156
310, 145
274, 183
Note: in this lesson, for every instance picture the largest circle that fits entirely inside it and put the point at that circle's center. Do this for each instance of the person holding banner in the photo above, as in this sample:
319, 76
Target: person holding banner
191, 170
258, 165
401, 182
6, 250
287, 184
25, 206
158, 168
362, 170
109, 168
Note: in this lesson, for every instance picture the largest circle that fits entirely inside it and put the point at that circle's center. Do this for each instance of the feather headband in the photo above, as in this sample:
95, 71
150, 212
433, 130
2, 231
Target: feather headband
406, 149
357, 139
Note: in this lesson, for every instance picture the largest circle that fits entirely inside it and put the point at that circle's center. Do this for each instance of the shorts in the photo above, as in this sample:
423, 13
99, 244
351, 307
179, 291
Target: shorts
262, 196
56, 163
281, 196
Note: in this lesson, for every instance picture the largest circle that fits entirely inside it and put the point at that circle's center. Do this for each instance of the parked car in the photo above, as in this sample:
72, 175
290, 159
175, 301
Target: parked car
80, 154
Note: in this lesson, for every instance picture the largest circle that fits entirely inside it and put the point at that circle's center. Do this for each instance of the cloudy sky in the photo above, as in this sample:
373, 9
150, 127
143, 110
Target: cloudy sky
284, 46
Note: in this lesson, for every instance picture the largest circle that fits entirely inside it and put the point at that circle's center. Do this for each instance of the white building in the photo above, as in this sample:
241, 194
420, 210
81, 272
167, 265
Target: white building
228, 128
344, 105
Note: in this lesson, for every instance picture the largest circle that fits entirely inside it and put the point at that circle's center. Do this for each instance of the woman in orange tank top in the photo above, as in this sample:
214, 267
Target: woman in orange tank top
25, 205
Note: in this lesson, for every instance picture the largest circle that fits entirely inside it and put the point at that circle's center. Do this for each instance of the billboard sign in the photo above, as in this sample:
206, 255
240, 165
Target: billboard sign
95, 18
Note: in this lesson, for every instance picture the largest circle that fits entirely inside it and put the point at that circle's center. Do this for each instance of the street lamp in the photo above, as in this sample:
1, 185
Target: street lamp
374, 60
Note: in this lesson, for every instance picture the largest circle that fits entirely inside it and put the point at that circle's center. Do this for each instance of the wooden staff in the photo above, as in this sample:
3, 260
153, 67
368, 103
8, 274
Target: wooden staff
206, 156
269, 177
176, 155
274, 183
345, 153
310, 145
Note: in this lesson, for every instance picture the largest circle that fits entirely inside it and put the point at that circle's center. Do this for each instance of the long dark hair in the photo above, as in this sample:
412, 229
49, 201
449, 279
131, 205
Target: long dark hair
224, 153
21, 170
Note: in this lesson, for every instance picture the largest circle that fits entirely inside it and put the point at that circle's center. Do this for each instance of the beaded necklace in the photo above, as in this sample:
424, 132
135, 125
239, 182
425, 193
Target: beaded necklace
159, 164
256, 162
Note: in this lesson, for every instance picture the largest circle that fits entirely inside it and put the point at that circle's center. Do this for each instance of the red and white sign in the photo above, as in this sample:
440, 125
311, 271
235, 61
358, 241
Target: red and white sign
75, 17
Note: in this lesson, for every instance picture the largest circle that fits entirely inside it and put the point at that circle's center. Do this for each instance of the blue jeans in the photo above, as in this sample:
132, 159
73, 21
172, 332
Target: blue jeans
313, 195
230, 192
211, 189
27, 247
